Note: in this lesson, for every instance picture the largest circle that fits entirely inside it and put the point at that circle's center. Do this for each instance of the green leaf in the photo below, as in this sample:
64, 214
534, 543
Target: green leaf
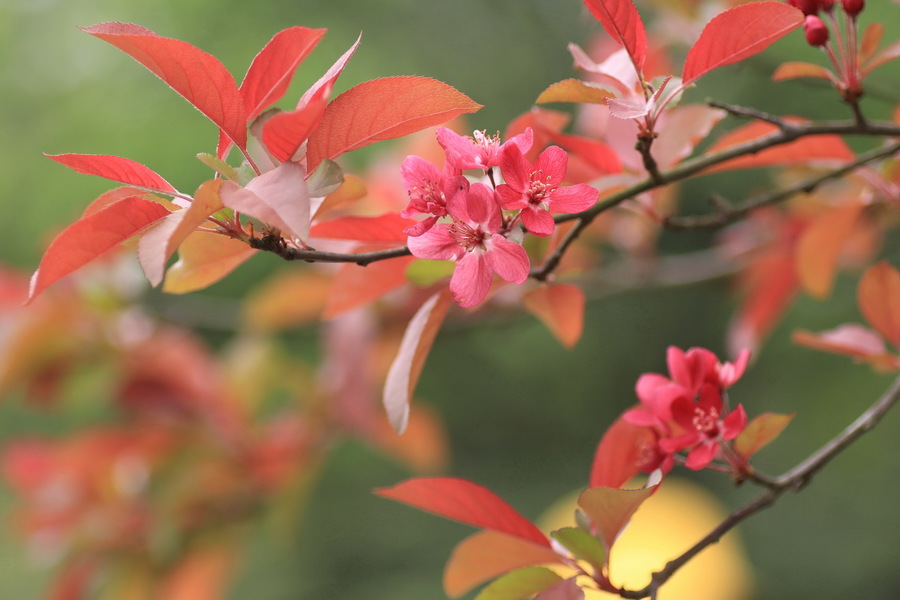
582, 545
519, 584
219, 166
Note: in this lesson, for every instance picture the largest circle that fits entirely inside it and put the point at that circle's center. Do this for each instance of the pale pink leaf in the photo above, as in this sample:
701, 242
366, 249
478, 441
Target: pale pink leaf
407, 366
199, 77
739, 33
278, 198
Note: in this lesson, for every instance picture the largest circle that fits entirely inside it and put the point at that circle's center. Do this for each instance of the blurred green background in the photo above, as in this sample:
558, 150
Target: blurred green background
524, 415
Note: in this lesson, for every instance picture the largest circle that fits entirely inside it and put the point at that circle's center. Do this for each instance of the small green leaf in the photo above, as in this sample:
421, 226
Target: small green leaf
519, 584
582, 545
219, 166
327, 177
424, 272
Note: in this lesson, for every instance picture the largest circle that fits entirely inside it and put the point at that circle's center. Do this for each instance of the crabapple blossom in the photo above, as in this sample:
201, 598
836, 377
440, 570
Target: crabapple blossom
428, 190
473, 239
536, 190
481, 151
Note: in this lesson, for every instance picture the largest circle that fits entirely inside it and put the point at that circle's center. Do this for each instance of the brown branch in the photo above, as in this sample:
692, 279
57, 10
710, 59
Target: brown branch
275, 244
792, 480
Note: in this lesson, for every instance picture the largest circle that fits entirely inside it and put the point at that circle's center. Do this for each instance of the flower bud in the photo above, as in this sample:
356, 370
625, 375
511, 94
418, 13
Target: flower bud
853, 7
808, 7
826, 5
815, 30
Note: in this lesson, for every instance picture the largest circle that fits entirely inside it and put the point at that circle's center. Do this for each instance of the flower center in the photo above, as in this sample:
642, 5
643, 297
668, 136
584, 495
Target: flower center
467, 236
539, 190
706, 423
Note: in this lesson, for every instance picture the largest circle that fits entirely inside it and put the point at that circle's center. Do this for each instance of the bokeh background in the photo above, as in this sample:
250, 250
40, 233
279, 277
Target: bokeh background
524, 414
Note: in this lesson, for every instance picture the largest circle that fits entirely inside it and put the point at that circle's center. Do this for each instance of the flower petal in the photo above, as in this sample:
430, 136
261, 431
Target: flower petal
436, 244
471, 279
538, 221
552, 164
702, 455
507, 259
573, 199
515, 168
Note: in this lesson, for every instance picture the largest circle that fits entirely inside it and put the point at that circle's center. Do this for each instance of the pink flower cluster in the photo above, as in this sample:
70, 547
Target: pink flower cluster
687, 410
465, 221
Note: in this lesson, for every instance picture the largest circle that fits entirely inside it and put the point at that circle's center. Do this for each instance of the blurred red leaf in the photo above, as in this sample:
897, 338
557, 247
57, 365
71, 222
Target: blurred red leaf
796, 70
622, 22
619, 454
467, 502
488, 554
560, 307
760, 432
199, 77
384, 109
383, 228
819, 247
739, 33
203, 259
93, 236
879, 300
354, 286
414, 348
116, 168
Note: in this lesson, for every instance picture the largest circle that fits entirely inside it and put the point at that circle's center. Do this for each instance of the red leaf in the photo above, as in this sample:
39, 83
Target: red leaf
739, 33
795, 70
330, 76
407, 366
760, 432
271, 71
93, 236
285, 132
561, 308
384, 109
199, 77
467, 502
354, 286
622, 22
596, 154
619, 454
879, 300
825, 150
610, 509
116, 168
383, 228
820, 245
487, 554
158, 244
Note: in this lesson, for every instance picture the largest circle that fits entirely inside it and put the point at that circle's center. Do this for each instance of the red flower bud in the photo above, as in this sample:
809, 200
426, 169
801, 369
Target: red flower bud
853, 7
826, 5
815, 30
808, 7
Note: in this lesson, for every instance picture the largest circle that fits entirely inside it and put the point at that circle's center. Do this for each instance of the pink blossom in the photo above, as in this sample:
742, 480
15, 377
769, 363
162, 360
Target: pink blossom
481, 151
474, 241
428, 190
535, 189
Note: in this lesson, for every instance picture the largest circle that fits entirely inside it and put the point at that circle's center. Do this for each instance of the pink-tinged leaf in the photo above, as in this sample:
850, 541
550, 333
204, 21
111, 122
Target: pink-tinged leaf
271, 71
798, 70
560, 307
407, 366
520, 584
567, 589
199, 77
856, 341
489, 554
466, 502
620, 454
610, 509
684, 127
285, 132
879, 300
203, 259
622, 22
575, 90
384, 109
93, 236
739, 33
388, 227
820, 150
820, 246
330, 76
631, 107
885, 55
354, 286
278, 198
596, 154
760, 432
159, 243
116, 168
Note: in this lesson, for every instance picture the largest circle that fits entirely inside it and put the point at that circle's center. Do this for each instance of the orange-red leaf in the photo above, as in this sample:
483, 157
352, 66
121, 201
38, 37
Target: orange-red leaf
199, 77
93, 236
760, 432
574, 90
407, 366
622, 22
354, 286
561, 308
739, 33
116, 168
610, 509
383, 228
820, 245
289, 299
203, 259
285, 132
879, 300
467, 502
384, 109
796, 70
488, 554
619, 454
